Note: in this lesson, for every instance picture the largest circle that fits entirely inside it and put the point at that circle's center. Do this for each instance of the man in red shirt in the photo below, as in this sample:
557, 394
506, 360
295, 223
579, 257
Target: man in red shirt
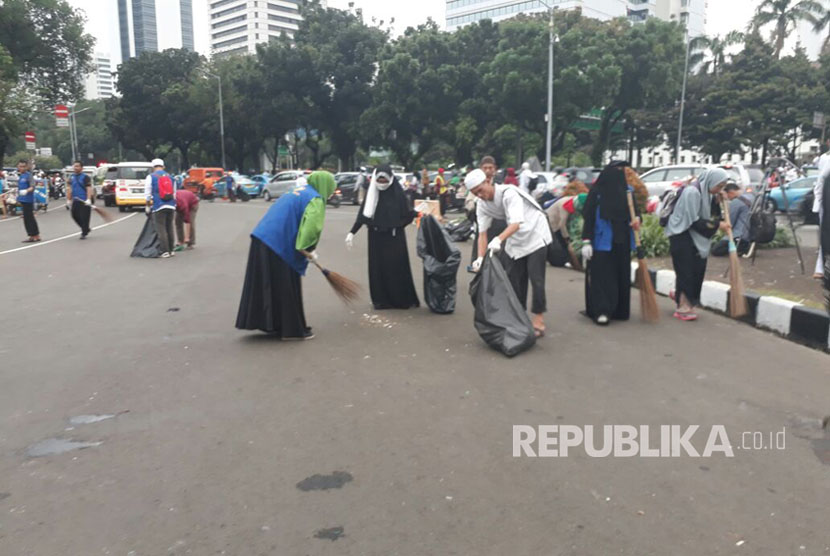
187, 205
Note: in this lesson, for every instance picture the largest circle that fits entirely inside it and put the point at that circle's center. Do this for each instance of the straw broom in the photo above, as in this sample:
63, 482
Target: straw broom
648, 296
737, 301
346, 289
106, 216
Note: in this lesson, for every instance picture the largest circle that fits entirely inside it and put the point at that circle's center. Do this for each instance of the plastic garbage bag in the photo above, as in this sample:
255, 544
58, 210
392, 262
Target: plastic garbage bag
460, 230
557, 253
441, 262
500, 319
148, 245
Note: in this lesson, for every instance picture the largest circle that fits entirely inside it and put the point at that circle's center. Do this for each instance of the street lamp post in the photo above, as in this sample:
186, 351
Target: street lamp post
549, 133
73, 133
683, 99
221, 116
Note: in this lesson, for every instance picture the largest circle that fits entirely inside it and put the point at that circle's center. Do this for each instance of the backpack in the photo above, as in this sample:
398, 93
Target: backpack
762, 227
533, 184
667, 204
166, 191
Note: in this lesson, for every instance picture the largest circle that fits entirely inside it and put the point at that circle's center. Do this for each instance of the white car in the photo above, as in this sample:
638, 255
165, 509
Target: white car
128, 181
659, 180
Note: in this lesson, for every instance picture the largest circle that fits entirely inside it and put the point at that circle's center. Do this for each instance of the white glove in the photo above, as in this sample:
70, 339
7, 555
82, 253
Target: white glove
350, 240
147, 209
313, 256
587, 252
88, 202
68, 203
477, 264
495, 245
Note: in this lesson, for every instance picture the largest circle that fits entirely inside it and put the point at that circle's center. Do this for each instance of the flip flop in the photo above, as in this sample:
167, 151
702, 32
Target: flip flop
685, 317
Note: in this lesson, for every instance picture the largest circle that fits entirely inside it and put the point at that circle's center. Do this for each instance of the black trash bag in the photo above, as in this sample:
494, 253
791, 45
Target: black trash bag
243, 195
500, 319
460, 230
441, 262
148, 245
557, 254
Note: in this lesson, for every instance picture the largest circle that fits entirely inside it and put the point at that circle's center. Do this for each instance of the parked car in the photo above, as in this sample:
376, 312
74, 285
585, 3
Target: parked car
123, 184
202, 181
796, 191
282, 183
247, 185
259, 182
347, 184
739, 173
586, 175
756, 176
659, 180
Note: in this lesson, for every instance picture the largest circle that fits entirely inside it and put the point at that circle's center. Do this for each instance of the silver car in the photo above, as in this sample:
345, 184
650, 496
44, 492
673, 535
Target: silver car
282, 183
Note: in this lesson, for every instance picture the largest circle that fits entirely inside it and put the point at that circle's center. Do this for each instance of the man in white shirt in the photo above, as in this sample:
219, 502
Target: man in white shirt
818, 192
525, 240
525, 177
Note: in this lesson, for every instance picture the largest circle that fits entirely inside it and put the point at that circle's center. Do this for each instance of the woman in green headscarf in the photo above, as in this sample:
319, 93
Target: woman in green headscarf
281, 244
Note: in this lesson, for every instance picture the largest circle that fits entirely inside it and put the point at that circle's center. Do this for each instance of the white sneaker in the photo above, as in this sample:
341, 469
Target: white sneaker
165, 255
602, 319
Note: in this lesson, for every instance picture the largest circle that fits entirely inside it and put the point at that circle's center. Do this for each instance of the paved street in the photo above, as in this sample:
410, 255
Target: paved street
215, 430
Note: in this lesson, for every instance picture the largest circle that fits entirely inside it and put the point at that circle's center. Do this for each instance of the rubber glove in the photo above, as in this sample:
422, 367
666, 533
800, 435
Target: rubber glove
587, 252
350, 240
495, 245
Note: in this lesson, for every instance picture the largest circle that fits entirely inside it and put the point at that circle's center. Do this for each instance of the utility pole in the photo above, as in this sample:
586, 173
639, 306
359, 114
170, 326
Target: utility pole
683, 99
221, 116
549, 133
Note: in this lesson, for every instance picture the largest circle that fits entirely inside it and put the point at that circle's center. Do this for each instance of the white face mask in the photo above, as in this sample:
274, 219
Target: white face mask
383, 186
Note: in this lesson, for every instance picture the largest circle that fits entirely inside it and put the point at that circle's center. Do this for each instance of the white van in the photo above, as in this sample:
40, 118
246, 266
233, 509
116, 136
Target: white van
128, 182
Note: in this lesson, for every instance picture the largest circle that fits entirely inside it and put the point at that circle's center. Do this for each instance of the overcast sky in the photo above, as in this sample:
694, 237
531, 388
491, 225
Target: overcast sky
723, 16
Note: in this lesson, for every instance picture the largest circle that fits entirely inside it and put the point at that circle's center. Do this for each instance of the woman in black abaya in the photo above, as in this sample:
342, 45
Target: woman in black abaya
608, 245
386, 212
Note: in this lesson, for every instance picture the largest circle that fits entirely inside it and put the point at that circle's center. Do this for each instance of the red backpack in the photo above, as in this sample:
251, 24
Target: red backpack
166, 192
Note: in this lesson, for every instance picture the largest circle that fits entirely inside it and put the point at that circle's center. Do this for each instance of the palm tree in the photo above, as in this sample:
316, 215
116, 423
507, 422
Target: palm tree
786, 15
716, 47
822, 23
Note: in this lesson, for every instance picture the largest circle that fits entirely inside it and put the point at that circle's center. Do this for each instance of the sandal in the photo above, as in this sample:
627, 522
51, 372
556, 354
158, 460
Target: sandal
539, 332
685, 317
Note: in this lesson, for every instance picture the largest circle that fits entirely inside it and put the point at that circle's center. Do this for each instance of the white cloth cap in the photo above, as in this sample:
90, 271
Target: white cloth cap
474, 179
157, 162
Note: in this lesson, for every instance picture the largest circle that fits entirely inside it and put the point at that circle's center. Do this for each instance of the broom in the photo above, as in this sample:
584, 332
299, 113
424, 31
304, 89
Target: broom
345, 289
648, 296
106, 216
737, 301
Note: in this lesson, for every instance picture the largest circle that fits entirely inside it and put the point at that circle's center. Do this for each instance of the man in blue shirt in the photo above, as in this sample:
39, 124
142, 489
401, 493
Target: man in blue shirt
740, 205
79, 197
26, 199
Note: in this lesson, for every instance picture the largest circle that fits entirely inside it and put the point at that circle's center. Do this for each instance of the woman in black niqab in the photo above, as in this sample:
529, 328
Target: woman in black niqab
386, 212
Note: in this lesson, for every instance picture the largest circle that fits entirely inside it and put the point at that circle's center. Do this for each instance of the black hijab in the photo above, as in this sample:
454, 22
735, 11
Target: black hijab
393, 210
612, 188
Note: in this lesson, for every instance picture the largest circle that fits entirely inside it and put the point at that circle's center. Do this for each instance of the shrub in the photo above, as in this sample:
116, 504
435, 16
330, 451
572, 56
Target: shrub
653, 236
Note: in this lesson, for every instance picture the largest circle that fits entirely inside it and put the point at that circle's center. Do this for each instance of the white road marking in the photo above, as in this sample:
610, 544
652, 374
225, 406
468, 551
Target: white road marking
76, 234
54, 206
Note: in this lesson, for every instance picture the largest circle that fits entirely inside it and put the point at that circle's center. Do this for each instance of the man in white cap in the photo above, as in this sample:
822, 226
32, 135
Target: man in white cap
161, 201
525, 239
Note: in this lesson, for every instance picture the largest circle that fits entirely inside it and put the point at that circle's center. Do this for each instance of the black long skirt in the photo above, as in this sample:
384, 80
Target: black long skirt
390, 275
608, 284
689, 267
272, 297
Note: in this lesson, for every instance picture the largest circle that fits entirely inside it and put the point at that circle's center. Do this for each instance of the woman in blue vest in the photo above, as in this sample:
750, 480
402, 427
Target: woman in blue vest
272, 297
608, 243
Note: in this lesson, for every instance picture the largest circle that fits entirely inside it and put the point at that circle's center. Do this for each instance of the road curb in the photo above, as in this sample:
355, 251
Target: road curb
788, 319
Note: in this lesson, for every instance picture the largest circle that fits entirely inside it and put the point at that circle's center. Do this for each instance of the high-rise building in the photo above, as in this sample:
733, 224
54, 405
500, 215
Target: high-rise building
100, 83
464, 12
139, 29
237, 26
691, 13
186, 16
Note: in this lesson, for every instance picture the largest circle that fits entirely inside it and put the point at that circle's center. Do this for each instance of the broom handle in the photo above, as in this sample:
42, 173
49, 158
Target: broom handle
308, 256
725, 210
633, 217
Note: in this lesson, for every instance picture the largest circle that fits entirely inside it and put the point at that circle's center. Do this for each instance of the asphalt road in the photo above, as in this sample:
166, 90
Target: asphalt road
217, 430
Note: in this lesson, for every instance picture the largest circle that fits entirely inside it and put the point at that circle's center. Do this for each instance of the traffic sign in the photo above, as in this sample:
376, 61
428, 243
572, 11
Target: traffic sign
62, 115
30, 140
45, 151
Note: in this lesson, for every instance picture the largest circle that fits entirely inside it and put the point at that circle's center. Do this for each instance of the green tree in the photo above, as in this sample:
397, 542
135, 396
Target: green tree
640, 84
160, 109
44, 54
786, 15
710, 53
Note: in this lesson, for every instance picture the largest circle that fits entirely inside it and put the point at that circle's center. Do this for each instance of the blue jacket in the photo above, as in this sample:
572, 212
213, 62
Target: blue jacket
79, 183
158, 204
24, 181
604, 234
279, 227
